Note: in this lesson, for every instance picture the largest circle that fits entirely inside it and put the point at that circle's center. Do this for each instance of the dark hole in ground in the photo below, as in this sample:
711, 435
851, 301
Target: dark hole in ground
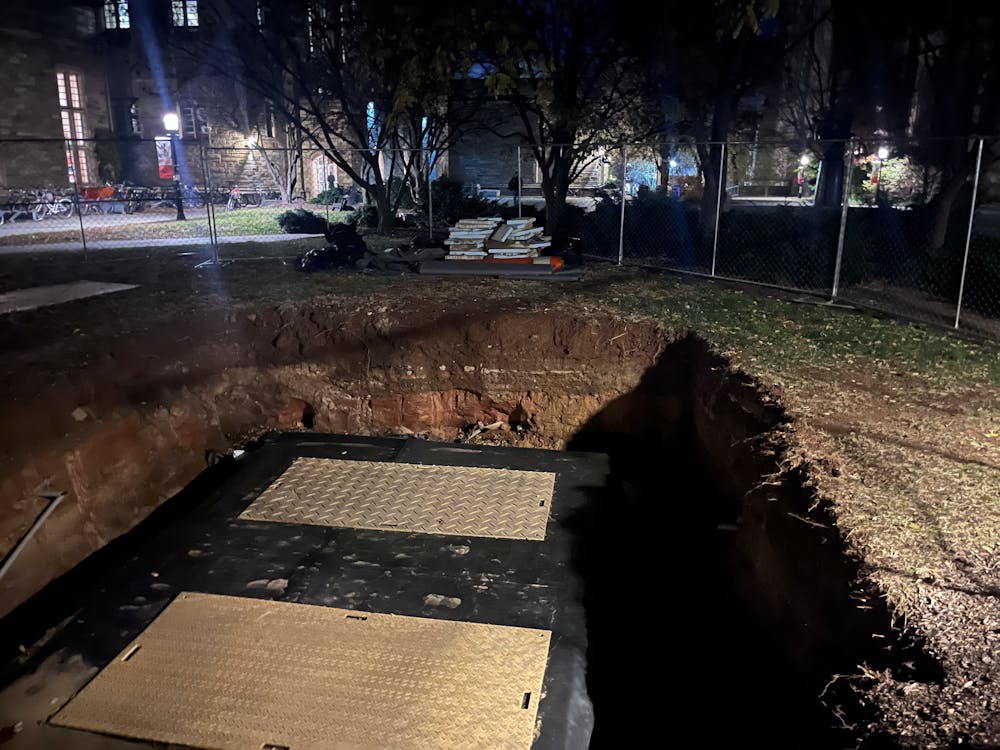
712, 616
677, 644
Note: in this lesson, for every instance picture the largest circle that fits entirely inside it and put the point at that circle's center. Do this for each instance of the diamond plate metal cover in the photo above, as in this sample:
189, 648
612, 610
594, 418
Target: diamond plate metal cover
458, 500
228, 673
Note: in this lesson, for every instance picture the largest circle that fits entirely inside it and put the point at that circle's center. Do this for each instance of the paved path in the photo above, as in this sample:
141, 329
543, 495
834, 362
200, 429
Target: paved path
159, 243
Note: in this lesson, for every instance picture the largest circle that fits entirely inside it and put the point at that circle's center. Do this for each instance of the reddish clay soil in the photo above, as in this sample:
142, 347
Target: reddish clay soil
132, 424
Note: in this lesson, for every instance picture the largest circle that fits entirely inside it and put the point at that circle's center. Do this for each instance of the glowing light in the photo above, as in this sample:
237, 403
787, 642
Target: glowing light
251, 141
171, 122
883, 153
673, 163
804, 161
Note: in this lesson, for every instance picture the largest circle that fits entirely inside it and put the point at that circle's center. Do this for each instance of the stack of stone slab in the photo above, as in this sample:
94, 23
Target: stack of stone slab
492, 238
466, 239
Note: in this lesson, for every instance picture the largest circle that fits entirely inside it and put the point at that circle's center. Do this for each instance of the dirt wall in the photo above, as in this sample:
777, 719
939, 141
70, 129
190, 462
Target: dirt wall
130, 429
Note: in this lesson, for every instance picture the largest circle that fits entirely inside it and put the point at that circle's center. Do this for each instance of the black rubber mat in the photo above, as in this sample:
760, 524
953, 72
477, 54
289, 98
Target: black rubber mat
196, 542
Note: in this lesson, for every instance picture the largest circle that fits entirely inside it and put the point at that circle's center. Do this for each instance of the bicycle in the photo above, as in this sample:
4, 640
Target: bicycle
238, 199
48, 203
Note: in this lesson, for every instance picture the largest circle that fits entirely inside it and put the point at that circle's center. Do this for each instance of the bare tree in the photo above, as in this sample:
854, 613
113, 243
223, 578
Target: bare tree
364, 83
282, 161
571, 84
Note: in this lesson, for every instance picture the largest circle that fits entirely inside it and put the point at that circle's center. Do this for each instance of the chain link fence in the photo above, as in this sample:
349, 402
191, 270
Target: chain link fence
93, 195
910, 228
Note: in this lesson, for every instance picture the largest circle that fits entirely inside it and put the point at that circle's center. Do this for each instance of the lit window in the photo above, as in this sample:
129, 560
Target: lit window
184, 12
116, 14
134, 123
71, 113
309, 29
194, 119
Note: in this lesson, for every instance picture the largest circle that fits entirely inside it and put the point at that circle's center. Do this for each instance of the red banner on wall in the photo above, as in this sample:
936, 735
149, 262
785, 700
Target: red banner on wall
164, 158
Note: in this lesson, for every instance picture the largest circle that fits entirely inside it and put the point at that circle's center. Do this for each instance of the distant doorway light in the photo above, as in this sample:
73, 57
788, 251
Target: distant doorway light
883, 153
371, 122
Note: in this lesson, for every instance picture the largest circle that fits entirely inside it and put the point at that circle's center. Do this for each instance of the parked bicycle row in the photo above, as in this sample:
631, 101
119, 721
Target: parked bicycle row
124, 198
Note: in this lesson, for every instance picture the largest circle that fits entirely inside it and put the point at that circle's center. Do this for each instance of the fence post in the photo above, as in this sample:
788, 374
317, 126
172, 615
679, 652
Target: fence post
213, 238
519, 181
845, 200
430, 198
621, 227
79, 214
968, 233
323, 188
718, 203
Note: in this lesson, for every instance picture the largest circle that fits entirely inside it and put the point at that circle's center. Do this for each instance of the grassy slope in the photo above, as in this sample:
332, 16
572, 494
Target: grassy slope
915, 415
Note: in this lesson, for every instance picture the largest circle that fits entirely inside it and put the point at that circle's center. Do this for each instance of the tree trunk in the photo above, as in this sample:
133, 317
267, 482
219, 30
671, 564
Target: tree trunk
830, 190
940, 211
664, 168
712, 167
380, 194
555, 177
714, 173
555, 186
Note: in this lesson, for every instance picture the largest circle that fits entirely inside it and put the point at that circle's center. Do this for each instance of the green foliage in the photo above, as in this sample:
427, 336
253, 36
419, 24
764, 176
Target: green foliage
365, 216
451, 204
400, 191
300, 221
902, 181
331, 195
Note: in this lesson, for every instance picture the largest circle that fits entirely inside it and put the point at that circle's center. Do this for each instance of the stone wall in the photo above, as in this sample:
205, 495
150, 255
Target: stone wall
35, 42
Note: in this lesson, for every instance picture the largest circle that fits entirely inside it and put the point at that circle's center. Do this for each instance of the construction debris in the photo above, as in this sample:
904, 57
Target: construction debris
494, 239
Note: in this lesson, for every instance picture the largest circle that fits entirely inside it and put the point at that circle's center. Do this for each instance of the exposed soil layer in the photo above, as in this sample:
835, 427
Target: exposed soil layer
127, 431
712, 570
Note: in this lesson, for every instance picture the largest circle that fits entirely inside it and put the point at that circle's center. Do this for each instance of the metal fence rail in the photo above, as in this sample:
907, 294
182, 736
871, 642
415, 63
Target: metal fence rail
905, 239
889, 225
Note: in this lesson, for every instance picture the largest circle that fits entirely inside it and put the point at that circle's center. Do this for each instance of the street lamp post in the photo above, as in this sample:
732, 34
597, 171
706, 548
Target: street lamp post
883, 156
171, 124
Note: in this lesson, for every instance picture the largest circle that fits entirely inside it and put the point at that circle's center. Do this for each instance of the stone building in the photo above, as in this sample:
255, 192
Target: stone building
55, 89
90, 80
89, 83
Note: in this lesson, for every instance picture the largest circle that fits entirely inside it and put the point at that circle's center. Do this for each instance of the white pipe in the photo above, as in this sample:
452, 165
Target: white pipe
23, 542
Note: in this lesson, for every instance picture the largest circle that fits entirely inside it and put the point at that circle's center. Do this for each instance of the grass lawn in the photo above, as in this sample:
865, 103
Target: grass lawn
163, 225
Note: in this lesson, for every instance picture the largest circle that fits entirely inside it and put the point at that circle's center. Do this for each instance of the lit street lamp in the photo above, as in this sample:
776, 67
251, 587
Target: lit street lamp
801, 179
883, 155
171, 123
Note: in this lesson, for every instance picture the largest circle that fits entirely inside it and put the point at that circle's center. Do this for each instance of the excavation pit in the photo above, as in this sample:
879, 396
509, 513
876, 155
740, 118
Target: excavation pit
709, 583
